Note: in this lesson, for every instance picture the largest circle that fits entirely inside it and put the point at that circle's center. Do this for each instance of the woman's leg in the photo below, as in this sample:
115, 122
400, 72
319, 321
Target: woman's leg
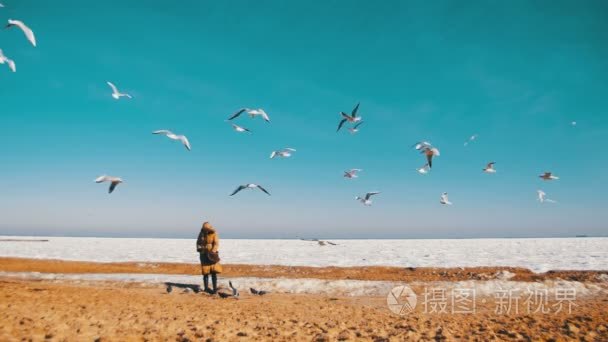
214, 280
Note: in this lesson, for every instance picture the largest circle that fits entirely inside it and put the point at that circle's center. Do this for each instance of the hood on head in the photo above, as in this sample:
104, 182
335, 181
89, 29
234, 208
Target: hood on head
207, 227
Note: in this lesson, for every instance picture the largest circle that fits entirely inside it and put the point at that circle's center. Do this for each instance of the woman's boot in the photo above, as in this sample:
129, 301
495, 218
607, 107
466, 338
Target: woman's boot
214, 281
206, 282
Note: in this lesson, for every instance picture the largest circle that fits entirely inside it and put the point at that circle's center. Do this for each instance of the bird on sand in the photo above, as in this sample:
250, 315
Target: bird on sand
490, 168
548, 176
29, 34
471, 139
352, 173
284, 153
352, 118
174, 136
367, 201
8, 61
424, 169
240, 129
542, 197
257, 292
114, 181
444, 199
252, 113
117, 94
249, 186
234, 292
355, 128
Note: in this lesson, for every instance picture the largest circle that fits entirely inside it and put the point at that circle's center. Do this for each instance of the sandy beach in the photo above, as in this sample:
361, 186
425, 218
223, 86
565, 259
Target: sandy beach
68, 310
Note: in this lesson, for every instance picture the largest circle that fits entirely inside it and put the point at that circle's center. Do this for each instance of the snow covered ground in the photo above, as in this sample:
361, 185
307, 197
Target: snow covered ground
326, 287
538, 255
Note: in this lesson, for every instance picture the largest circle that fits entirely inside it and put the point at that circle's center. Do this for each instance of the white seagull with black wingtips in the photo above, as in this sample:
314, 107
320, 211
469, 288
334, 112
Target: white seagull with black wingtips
114, 181
284, 153
444, 199
252, 113
367, 201
29, 34
8, 61
117, 94
250, 186
490, 168
174, 136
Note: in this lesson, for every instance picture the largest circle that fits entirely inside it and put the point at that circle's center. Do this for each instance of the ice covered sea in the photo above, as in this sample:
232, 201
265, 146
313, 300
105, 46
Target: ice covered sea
537, 254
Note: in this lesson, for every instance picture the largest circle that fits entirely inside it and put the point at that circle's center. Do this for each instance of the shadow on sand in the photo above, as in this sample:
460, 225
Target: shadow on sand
193, 287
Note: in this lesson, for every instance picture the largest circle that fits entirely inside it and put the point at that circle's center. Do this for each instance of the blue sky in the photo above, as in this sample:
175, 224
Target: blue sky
517, 73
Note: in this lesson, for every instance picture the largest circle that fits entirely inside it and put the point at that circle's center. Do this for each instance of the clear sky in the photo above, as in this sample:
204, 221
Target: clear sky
514, 72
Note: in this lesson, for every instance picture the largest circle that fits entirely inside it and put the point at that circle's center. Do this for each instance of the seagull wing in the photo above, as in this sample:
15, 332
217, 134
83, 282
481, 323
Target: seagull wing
114, 89
185, 141
29, 34
370, 194
162, 131
11, 65
237, 113
261, 188
290, 149
273, 154
112, 186
101, 179
253, 291
354, 112
357, 125
264, 115
241, 187
341, 124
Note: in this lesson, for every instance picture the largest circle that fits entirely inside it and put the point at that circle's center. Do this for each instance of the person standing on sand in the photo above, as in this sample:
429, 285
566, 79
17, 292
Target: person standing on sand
208, 244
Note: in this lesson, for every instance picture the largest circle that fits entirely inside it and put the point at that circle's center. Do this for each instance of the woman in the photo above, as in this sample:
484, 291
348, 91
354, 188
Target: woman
208, 245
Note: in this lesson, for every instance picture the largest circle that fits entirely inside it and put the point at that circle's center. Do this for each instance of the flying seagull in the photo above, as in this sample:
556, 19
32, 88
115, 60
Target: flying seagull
471, 138
424, 169
240, 129
9, 62
355, 129
444, 199
430, 152
249, 186
174, 136
367, 199
114, 181
115, 93
252, 113
352, 173
352, 118
548, 176
284, 153
29, 34
542, 197
490, 168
